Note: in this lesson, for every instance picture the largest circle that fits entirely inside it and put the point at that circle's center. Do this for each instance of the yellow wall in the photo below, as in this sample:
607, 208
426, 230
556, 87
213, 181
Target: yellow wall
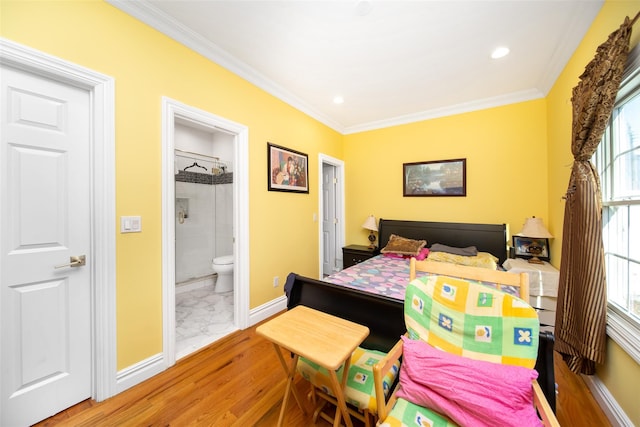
506, 154
147, 65
621, 374
518, 158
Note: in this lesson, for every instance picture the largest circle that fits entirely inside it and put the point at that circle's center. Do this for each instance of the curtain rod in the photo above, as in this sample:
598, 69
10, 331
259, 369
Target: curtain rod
196, 154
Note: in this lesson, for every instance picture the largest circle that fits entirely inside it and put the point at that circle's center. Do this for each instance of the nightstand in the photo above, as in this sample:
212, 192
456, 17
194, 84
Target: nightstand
354, 254
543, 288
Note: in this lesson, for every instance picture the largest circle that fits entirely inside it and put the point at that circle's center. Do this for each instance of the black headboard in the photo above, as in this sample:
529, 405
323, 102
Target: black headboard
490, 238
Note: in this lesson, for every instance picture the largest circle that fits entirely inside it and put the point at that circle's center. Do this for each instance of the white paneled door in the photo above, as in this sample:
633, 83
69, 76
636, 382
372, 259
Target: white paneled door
45, 223
329, 219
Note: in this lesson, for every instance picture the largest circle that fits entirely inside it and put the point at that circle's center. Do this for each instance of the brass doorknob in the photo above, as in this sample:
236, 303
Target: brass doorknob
75, 261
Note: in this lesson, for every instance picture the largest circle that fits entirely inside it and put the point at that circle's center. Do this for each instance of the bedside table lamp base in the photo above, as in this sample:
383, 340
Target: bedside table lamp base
534, 250
372, 239
370, 224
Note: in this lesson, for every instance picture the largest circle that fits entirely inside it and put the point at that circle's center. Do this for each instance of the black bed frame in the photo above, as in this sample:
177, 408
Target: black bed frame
384, 316
490, 238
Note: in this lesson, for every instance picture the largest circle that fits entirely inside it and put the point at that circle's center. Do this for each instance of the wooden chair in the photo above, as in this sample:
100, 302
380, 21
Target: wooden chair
497, 278
418, 327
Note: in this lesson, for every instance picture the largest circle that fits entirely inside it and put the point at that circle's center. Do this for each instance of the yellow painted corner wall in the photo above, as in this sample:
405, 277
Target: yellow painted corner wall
147, 65
506, 154
620, 374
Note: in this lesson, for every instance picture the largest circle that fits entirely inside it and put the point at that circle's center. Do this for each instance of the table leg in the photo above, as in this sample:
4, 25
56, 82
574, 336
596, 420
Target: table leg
289, 388
338, 389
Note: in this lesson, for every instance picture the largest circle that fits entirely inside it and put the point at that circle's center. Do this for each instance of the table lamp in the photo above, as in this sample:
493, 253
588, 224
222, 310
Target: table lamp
370, 224
534, 228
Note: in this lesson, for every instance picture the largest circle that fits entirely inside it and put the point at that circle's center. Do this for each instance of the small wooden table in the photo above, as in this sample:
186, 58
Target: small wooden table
322, 338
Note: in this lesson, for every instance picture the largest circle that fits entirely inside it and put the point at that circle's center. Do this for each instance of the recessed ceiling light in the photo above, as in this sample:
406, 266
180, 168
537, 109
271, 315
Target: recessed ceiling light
500, 52
338, 100
363, 7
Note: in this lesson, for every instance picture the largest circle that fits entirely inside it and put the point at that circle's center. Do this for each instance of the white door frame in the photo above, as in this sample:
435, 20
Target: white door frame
339, 165
103, 283
172, 110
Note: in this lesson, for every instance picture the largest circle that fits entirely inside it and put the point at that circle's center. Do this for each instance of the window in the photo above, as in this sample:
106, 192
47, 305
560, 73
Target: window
618, 163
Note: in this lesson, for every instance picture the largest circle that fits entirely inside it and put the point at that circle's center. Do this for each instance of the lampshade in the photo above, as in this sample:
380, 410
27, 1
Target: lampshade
370, 223
533, 227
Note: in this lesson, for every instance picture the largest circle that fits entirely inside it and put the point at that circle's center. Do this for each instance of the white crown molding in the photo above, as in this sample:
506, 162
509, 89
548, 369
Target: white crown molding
150, 15
435, 113
145, 12
564, 49
159, 20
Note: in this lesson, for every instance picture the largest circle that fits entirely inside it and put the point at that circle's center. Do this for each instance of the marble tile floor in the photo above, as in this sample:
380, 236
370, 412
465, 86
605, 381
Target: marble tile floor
202, 317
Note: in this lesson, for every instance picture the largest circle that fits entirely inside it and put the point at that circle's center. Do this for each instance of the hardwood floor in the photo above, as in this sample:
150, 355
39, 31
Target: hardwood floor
238, 381
575, 405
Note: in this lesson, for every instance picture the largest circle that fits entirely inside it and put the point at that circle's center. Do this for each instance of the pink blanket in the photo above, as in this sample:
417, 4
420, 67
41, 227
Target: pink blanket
470, 392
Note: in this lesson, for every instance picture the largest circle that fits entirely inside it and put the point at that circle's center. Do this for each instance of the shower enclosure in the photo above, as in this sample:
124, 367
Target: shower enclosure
204, 217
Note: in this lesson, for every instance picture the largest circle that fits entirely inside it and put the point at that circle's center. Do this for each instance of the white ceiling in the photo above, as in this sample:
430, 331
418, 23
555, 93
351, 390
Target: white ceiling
393, 61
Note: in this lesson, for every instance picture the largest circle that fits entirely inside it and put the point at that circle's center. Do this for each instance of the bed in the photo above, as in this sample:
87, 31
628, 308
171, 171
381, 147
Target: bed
388, 276
372, 292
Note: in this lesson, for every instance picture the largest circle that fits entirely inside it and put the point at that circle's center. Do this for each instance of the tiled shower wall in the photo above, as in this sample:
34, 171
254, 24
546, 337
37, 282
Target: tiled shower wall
204, 220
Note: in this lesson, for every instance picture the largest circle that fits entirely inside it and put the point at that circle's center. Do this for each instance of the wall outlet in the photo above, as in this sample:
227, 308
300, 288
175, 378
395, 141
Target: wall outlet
276, 281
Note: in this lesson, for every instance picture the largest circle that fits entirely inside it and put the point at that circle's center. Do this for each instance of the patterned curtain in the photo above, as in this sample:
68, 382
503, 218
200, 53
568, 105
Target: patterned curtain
581, 314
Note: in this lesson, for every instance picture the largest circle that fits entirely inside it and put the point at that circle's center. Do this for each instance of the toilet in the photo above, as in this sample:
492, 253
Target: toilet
224, 267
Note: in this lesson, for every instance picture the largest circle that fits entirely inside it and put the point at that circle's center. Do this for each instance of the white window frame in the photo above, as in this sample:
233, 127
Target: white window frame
622, 327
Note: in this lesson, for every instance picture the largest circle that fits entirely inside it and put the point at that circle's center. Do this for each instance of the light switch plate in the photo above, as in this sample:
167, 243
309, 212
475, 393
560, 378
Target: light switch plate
130, 224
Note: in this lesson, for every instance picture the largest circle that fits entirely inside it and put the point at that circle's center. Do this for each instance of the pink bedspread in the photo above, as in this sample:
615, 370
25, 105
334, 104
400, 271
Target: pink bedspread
381, 275
378, 275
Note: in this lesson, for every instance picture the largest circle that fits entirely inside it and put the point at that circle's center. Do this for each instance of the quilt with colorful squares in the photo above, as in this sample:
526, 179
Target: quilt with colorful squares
465, 318
471, 320
359, 390
383, 275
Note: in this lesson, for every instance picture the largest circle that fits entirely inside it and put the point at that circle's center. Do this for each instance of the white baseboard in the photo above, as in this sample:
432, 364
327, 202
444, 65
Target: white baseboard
267, 310
147, 368
607, 402
139, 372
191, 285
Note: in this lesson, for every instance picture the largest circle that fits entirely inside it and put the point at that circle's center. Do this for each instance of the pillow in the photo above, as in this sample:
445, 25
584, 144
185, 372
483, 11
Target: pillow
403, 246
470, 392
468, 251
424, 252
483, 259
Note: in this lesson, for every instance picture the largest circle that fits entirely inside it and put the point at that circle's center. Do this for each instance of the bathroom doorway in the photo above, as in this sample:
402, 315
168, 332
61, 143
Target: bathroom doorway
205, 281
203, 236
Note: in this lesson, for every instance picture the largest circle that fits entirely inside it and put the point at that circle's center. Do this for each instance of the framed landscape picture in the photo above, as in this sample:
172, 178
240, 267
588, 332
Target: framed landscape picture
435, 178
288, 169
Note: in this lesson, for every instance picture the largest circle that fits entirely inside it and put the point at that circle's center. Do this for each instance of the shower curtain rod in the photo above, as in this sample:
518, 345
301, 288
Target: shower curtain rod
196, 154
